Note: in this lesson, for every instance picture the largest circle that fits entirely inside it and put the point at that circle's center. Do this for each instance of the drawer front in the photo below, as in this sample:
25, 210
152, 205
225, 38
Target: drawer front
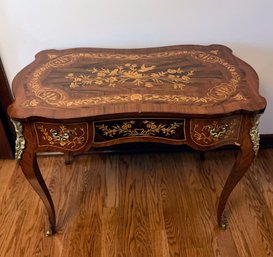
215, 132
169, 130
70, 137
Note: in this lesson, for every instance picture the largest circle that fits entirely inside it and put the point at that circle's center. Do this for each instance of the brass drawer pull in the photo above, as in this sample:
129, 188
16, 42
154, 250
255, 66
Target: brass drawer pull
217, 134
60, 136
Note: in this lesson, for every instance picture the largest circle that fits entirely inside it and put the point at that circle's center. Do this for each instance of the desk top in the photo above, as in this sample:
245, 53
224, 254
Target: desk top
181, 80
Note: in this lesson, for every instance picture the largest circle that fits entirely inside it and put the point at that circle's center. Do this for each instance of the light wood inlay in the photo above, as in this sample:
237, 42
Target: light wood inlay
170, 130
188, 79
216, 132
71, 137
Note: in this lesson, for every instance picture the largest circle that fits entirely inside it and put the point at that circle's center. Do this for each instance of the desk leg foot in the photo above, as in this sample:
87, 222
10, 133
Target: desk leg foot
243, 161
51, 230
223, 224
32, 173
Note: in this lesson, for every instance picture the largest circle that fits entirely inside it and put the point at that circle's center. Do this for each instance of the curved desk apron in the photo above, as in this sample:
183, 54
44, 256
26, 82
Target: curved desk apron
76, 100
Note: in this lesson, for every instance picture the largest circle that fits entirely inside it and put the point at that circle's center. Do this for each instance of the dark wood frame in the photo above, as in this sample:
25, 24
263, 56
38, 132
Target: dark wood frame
6, 129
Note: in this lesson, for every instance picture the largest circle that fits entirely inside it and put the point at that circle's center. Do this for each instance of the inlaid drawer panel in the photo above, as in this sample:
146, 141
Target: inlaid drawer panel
214, 132
119, 130
70, 137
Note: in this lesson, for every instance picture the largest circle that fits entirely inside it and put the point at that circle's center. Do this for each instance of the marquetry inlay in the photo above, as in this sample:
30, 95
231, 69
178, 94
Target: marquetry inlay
64, 136
138, 71
169, 129
211, 132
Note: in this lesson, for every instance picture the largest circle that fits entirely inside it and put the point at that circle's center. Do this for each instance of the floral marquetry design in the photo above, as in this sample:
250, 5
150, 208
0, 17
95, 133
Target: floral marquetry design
67, 137
127, 129
162, 128
141, 76
210, 132
149, 75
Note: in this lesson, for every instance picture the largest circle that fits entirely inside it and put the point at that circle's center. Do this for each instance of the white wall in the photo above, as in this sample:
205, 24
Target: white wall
28, 26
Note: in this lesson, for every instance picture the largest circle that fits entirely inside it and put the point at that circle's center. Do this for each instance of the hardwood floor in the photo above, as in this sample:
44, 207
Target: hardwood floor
130, 205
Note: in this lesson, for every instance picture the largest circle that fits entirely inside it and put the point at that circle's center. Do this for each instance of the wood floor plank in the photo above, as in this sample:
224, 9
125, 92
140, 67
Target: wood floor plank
138, 205
133, 232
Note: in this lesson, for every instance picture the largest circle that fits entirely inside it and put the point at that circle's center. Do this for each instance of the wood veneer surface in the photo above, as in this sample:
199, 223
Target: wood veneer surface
93, 82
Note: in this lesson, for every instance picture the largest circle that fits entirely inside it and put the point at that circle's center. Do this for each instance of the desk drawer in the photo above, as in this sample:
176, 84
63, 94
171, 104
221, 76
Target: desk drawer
72, 137
168, 130
215, 132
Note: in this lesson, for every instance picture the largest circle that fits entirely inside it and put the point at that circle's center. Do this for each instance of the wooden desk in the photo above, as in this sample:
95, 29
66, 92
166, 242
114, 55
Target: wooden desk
80, 99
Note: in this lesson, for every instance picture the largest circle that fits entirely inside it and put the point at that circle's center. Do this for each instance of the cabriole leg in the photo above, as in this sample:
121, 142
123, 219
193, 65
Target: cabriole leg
25, 154
32, 173
248, 150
